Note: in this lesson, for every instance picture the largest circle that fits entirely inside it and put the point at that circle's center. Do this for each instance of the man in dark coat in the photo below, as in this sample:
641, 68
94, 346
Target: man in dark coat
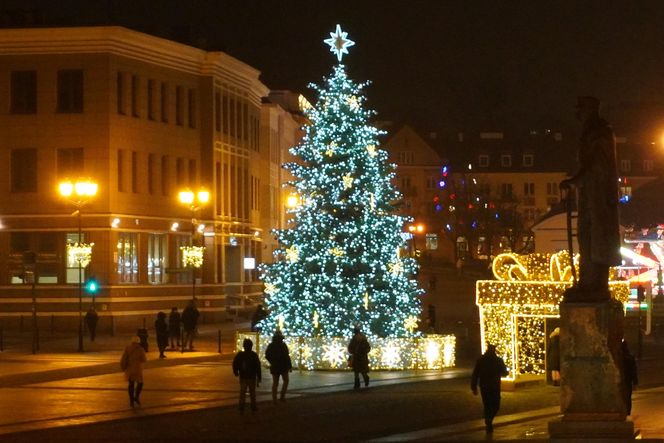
359, 348
174, 327
161, 331
247, 366
280, 364
488, 371
190, 322
91, 319
597, 184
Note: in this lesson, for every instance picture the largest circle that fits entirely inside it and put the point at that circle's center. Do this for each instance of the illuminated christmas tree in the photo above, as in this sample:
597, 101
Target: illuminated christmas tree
340, 263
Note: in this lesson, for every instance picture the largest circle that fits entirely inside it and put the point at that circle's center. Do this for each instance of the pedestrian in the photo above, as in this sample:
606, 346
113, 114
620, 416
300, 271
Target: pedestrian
280, 364
247, 366
488, 371
359, 348
630, 376
174, 327
259, 314
190, 322
91, 319
553, 356
161, 331
132, 365
459, 266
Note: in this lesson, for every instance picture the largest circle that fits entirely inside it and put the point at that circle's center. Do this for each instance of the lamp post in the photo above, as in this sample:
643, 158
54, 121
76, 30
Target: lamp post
414, 230
192, 256
79, 193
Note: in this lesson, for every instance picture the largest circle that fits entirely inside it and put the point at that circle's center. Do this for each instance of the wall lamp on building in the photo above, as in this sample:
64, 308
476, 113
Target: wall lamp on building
79, 193
193, 255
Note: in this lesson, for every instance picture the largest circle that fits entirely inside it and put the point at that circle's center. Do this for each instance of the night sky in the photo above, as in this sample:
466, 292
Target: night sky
440, 65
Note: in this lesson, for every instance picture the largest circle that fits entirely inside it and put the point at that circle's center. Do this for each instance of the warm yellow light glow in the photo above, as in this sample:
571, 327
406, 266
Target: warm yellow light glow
192, 256
411, 228
80, 253
293, 201
203, 197
420, 227
66, 189
292, 254
186, 197
270, 288
81, 188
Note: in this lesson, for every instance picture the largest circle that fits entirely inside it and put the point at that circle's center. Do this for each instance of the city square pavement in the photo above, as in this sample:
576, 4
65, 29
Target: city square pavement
62, 395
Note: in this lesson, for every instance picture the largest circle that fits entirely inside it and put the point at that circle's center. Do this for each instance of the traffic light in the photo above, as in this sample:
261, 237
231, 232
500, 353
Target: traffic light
92, 286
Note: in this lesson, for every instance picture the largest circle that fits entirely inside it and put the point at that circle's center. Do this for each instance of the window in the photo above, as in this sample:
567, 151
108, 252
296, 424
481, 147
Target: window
151, 175
164, 175
647, 165
127, 257
23, 92
164, 102
552, 188
431, 241
70, 91
151, 98
24, 170
506, 190
134, 172
192, 172
179, 92
121, 170
120, 92
405, 157
506, 160
405, 183
528, 160
625, 165
191, 108
431, 182
134, 95
625, 194
483, 161
157, 257
217, 111
72, 270
70, 163
529, 189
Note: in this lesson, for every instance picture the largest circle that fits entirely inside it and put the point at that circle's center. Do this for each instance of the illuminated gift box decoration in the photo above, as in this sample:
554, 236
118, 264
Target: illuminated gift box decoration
192, 256
79, 253
310, 353
514, 307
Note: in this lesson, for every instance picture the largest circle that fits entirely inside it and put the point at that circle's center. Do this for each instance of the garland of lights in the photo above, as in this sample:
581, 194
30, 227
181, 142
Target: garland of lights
513, 308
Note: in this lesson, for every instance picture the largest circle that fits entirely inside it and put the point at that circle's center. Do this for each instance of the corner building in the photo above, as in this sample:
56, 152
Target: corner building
145, 118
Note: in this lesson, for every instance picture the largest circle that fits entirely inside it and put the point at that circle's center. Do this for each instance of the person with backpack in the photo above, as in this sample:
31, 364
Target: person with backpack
247, 367
280, 364
359, 348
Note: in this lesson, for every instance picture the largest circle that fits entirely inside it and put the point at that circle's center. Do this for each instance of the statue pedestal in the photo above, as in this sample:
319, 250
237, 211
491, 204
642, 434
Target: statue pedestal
591, 391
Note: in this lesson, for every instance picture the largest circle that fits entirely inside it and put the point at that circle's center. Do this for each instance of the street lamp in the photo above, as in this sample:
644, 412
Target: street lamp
192, 256
79, 193
416, 229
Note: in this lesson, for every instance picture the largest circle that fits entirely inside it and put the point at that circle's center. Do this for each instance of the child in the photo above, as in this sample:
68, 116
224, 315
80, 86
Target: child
248, 367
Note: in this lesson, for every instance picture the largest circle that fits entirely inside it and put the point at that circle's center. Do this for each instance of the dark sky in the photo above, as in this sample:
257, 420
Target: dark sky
441, 65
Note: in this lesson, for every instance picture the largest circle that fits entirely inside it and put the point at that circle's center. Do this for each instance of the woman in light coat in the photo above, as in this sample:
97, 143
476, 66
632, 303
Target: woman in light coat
132, 365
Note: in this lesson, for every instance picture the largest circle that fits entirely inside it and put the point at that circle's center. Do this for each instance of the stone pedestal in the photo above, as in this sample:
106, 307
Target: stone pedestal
591, 389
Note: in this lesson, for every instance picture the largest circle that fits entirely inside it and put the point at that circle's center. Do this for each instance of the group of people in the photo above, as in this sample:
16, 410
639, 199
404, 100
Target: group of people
179, 331
246, 366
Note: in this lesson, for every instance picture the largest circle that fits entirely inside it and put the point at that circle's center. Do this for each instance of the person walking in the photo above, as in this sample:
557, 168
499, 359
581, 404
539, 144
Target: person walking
91, 319
161, 331
247, 366
174, 327
280, 364
132, 364
488, 371
553, 356
190, 322
630, 376
359, 348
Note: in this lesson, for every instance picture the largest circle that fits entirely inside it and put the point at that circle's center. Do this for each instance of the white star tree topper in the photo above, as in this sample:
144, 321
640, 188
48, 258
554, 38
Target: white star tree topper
339, 43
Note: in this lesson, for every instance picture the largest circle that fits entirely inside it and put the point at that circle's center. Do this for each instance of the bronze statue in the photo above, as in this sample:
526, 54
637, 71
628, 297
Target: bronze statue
597, 224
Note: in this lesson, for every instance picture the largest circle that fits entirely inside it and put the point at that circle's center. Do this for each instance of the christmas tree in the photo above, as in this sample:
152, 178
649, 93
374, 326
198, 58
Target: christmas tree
340, 263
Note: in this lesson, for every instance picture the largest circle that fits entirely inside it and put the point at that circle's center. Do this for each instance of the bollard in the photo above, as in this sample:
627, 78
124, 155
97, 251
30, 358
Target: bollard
219, 341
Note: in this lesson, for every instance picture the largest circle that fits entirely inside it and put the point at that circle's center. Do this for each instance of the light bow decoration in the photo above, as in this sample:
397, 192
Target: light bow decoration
514, 307
80, 253
192, 256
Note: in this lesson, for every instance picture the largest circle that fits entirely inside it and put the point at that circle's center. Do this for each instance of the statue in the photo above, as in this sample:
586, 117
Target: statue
597, 224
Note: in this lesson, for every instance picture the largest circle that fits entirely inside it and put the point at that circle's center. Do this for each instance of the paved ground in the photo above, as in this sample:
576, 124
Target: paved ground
61, 395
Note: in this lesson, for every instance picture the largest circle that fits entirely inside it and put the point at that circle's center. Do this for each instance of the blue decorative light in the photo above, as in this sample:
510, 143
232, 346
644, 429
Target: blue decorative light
441, 184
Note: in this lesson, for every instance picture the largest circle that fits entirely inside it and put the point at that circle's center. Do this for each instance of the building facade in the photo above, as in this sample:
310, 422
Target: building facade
144, 118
